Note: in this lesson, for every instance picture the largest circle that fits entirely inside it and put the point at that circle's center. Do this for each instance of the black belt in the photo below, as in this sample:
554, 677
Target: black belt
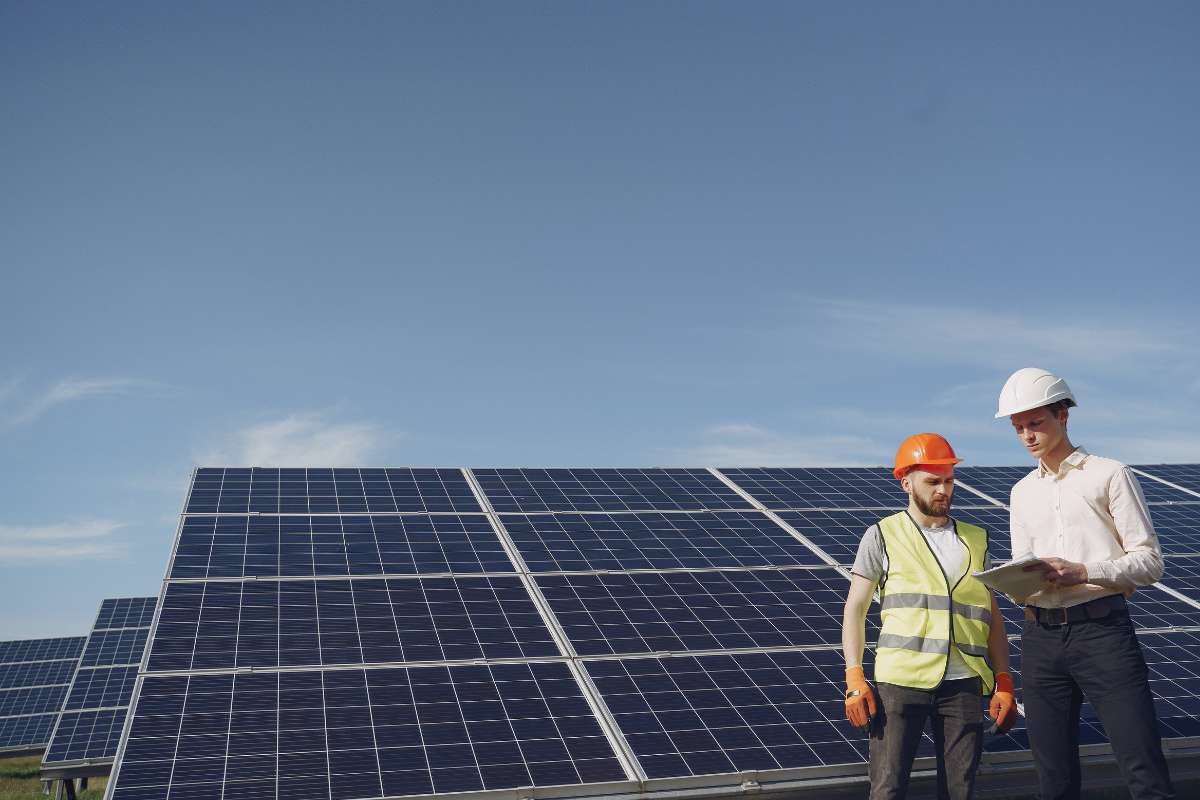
1093, 609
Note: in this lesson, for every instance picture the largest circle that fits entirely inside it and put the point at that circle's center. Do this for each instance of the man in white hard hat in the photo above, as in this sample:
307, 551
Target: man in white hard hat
1086, 519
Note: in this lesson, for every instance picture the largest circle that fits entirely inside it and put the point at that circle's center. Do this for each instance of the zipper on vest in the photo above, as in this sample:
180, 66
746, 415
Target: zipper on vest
945, 580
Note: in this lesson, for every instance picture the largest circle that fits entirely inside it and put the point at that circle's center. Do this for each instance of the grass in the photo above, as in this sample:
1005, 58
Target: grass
19, 781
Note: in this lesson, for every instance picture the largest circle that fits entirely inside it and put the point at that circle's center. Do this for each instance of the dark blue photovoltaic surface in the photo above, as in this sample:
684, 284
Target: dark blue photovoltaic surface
831, 487
536, 490
569, 542
728, 713
220, 625
32, 700
86, 734
1185, 475
41, 649
224, 547
643, 612
103, 687
126, 612
110, 647
25, 732
329, 491
36, 673
362, 733
838, 533
1178, 529
1183, 575
996, 482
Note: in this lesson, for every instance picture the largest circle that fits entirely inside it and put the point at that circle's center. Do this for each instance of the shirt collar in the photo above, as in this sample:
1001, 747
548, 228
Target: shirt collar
1073, 461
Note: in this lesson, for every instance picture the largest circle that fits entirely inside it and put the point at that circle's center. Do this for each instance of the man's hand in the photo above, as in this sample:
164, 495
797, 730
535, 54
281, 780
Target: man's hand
860, 700
1060, 572
1003, 708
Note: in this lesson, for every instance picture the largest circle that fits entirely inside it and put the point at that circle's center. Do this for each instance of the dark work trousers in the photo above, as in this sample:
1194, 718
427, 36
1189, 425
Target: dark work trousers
955, 710
1099, 659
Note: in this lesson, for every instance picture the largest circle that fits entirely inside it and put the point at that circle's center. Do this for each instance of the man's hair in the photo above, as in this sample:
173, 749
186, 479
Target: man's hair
1057, 406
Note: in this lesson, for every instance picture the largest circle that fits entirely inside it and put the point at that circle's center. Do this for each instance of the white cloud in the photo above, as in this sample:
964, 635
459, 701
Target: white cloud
89, 538
299, 440
15, 410
745, 444
952, 334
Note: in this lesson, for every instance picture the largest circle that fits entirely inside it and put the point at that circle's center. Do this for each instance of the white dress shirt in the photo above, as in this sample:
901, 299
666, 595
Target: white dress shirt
1091, 511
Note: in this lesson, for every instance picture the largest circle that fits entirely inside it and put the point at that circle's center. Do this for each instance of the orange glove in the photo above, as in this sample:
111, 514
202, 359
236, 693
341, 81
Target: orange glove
860, 700
1003, 708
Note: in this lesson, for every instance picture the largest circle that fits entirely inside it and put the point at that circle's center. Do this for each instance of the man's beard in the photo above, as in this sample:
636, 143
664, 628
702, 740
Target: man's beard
929, 509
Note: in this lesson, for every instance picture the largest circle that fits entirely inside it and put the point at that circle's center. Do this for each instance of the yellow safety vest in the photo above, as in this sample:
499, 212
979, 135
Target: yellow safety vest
923, 615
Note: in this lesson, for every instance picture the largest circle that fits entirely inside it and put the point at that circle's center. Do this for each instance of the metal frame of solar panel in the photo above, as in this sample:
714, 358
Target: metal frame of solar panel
85, 736
34, 677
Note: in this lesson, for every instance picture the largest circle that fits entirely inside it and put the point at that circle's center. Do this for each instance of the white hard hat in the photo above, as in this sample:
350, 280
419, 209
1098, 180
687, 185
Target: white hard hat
1032, 388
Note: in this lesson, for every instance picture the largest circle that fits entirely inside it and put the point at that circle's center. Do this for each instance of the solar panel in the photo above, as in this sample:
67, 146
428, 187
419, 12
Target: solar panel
108, 647
827, 487
570, 542
538, 490
329, 491
1183, 575
363, 733
267, 623
1178, 529
41, 649
701, 715
1185, 475
996, 482
223, 547
126, 612
621, 613
34, 674
102, 688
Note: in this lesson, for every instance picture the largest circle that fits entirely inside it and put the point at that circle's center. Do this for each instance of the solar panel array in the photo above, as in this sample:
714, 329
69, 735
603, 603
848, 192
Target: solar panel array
89, 728
362, 633
34, 676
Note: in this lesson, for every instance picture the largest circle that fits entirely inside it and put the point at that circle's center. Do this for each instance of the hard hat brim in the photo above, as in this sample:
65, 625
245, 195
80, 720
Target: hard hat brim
1008, 412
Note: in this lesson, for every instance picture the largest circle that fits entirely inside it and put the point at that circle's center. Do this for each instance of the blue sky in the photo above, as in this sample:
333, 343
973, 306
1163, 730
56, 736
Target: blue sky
568, 234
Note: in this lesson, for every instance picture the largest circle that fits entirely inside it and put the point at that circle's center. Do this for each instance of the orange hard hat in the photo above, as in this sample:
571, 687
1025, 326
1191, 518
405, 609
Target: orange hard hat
923, 448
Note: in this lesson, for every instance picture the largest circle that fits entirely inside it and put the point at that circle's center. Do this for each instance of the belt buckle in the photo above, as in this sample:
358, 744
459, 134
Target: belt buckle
1049, 614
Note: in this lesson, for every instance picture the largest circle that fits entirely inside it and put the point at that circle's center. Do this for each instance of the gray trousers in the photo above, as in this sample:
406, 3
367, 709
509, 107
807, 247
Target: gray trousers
955, 711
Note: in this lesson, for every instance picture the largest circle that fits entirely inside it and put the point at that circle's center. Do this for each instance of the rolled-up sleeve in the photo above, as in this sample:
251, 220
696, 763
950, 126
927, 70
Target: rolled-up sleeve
1142, 563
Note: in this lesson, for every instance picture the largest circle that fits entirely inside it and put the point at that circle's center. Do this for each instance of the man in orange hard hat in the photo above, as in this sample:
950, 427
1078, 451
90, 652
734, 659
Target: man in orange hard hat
942, 646
1086, 520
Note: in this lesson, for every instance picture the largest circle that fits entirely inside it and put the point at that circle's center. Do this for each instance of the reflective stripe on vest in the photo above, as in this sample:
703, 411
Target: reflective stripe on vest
922, 613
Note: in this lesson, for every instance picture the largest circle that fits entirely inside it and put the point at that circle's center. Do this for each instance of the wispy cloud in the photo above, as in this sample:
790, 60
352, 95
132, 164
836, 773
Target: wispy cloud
746, 444
88, 538
17, 408
950, 334
299, 440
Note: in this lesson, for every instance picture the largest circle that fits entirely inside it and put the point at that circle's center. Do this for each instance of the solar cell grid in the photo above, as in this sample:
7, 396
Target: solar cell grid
114, 646
832, 487
704, 715
622, 613
41, 649
126, 612
362, 733
103, 687
36, 673
569, 542
1178, 529
86, 734
1183, 575
322, 491
32, 700
996, 482
17, 733
222, 547
539, 490
1185, 475
221, 625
